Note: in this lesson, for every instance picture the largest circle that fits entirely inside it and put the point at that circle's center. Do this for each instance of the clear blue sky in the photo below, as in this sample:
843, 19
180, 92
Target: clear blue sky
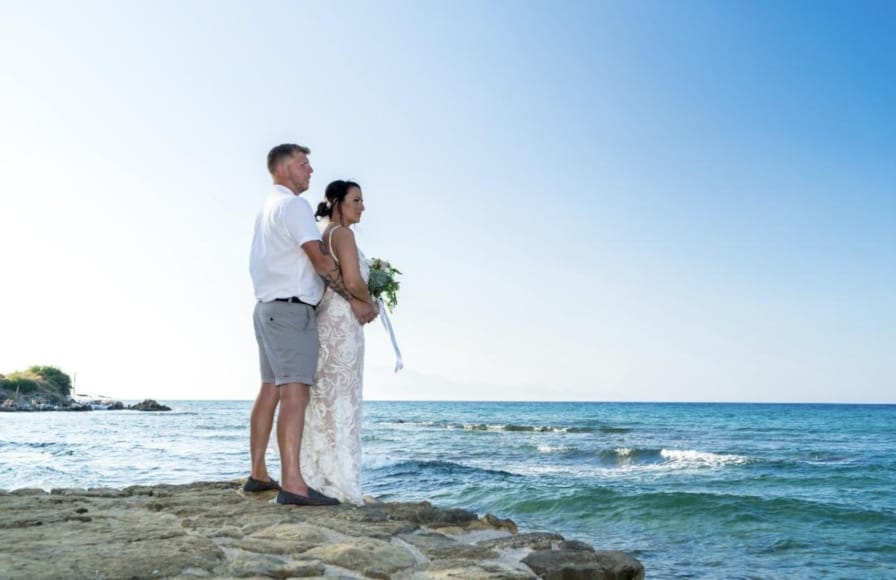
664, 201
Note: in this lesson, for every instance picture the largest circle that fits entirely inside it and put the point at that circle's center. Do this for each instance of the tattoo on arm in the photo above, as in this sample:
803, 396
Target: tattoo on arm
333, 278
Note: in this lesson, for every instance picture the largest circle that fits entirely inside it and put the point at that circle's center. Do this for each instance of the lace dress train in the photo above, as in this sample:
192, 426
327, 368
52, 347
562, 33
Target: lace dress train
331, 445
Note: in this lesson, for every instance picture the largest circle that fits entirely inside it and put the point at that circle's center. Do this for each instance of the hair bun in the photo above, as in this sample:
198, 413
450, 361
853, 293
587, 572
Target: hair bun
323, 210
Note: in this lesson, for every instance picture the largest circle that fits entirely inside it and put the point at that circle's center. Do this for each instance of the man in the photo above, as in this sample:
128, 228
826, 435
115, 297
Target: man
287, 263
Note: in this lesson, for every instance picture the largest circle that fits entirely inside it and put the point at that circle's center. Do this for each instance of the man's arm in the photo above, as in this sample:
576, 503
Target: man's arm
328, 269
302, 227
345, 251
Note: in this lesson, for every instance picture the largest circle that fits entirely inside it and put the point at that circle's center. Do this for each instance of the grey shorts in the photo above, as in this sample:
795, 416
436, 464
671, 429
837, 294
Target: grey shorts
287, 342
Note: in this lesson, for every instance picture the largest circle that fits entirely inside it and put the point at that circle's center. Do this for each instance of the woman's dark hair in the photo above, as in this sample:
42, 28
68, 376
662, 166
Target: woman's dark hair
335, 194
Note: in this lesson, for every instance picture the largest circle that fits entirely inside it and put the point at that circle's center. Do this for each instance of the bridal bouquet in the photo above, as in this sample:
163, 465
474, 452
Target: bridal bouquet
383, 286
383, 283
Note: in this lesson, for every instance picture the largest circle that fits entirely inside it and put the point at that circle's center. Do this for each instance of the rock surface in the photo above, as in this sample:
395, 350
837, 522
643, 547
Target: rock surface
148, 405
215, 530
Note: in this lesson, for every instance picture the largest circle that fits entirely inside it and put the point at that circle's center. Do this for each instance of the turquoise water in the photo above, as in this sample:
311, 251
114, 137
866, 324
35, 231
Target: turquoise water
692, 490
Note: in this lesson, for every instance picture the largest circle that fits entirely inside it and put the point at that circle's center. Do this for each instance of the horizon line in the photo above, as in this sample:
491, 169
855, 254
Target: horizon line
595, 401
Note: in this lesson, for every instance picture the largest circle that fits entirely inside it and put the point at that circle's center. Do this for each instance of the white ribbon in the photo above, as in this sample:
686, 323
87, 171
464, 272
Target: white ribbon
386, 323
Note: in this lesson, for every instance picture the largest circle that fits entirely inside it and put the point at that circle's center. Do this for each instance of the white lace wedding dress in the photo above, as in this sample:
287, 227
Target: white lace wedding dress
331, 443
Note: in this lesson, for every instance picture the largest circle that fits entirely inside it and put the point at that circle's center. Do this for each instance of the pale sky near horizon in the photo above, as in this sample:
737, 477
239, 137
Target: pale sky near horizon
607, 201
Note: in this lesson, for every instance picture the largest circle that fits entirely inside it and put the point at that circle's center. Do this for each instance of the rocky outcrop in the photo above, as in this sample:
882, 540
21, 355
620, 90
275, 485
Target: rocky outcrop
215, 530
81, 404
148, 405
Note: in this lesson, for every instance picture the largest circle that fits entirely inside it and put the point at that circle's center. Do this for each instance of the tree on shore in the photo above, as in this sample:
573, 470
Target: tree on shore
54, 376
48, 379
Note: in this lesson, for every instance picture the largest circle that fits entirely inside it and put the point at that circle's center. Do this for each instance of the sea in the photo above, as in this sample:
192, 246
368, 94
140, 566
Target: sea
691, 490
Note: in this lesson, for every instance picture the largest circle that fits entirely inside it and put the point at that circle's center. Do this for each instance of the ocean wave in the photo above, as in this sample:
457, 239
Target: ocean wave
31, 444
532, 428
402, 423
405, 467
578, 463
523, 428
683, 458
826, 457
738, 510
691, 458
544, 448
507, 427
372, 462
765, 509
629, 457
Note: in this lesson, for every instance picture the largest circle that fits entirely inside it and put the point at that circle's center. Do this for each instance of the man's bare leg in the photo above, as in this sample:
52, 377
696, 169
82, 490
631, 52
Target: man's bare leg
290, 425
261, 421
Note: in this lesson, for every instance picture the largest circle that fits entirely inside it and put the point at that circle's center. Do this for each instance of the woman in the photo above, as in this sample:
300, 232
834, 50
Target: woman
331, 446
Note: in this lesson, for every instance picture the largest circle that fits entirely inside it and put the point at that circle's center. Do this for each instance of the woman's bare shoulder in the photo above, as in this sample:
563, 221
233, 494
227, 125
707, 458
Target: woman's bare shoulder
342, 233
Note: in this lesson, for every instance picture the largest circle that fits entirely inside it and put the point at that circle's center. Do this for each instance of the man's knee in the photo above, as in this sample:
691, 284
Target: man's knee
268, 394
294, 393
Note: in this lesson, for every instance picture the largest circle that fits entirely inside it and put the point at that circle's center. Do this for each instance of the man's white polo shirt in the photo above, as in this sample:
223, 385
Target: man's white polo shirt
278, 264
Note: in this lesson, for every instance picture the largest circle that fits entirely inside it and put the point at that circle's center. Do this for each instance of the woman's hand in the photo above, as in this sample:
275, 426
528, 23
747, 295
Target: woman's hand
364, 311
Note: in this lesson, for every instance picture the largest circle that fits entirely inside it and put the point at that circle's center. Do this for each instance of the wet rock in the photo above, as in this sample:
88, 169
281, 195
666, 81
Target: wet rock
249, 565
368, 556
584, 565
535, 541
493, 521
148, 405
439, 546
467, 569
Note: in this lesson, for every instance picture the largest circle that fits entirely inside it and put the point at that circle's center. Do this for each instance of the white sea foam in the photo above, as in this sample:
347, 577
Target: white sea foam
513, 428
407, 424
629, 463
690, 458
480, 427
543, 448
370, 461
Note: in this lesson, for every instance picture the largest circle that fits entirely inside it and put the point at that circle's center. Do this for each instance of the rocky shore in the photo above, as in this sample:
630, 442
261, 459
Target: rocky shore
30, 405
205, 530
46, 388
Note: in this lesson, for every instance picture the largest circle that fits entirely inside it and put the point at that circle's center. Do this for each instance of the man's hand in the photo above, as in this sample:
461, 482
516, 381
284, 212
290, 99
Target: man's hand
364, 311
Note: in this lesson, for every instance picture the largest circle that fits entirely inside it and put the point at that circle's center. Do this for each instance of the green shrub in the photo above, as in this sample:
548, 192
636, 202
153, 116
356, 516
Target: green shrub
17, 382
61, 381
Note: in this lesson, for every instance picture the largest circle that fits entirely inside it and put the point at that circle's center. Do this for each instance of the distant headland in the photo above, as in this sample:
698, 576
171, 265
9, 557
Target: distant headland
46, 388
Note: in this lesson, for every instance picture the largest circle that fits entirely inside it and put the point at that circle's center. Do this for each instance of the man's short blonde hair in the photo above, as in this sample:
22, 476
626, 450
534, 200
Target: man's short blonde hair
281, 152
